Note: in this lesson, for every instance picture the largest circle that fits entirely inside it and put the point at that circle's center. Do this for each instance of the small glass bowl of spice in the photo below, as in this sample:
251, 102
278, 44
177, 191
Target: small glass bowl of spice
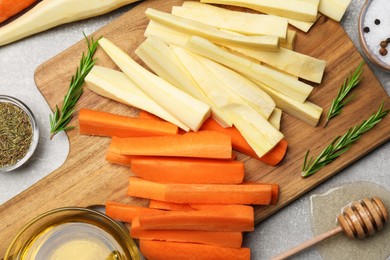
18, 133
374, 32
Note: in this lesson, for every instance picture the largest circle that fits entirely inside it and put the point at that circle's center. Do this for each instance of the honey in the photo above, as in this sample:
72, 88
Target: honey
75, 234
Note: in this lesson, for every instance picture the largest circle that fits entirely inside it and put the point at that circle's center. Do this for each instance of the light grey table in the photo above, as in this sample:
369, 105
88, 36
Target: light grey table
285, 229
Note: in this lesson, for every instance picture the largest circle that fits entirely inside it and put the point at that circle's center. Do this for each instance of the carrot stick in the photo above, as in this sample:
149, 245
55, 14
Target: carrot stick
157, 204
212, 218
217, 238
201, 144
146, 189
158, 250
146, 115
117, 158
9, 8
106, 124
188, 170
239, 143
258, 194
125, 212
275, 193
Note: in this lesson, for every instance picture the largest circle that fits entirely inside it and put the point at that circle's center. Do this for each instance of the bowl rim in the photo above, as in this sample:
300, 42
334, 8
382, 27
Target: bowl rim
133, 249
368, 53
35, 131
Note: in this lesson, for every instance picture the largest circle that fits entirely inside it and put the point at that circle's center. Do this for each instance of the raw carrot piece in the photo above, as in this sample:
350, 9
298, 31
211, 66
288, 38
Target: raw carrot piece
158, 204
125, 212
100, 123
158, 250
146, 115
276, 155
9, 8
117, 158
146, 189
239, 143
188, 170
201, 144
217, 238
252, 193
212, 218
275, 193
257, 194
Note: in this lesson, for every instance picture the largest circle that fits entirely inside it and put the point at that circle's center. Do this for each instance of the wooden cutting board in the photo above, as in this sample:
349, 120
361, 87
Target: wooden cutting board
86, 178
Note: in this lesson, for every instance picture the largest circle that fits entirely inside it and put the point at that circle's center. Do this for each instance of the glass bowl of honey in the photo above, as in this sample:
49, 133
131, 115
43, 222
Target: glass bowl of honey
73, 233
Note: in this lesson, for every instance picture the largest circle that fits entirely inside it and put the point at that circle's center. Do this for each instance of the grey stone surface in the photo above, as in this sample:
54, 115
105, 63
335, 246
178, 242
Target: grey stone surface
285, 229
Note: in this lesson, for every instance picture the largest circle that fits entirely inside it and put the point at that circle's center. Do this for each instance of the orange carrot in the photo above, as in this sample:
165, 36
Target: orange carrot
157, 204
158, 250
217, 238
106, 124
125, 212
146, 189
146, 115
252, 193
275, 193
117, 158
9, 8
202, 144
239, 143
212, 218
188, 170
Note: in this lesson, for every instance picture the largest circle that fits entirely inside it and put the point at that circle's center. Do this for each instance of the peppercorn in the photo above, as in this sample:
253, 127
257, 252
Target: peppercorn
377, 21
383, 44
366, 29
383, 52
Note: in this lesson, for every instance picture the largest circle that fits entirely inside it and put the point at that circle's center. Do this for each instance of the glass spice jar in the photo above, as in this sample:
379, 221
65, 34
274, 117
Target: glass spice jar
19, 133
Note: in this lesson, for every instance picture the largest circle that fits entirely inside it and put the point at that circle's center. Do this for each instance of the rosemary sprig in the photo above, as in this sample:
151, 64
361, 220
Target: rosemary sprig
341, 144
339, 102
60, 119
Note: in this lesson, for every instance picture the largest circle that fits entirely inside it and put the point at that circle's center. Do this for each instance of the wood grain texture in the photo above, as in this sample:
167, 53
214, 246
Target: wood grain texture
86, 178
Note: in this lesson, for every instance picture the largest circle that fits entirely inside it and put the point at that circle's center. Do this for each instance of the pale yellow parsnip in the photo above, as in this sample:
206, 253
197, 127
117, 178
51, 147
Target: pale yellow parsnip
307, 111
163, 61
270, 43
117, 86
272, 78
241, 22
334, 9
292, 62
184, 107
303, 10
50, 13
249, 122
276, 118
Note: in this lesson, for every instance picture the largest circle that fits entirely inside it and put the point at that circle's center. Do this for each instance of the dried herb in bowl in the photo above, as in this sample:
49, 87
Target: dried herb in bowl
15, 134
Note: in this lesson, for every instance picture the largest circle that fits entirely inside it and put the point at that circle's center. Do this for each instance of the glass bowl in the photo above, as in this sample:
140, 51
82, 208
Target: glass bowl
373, 28
35, 132
73, 233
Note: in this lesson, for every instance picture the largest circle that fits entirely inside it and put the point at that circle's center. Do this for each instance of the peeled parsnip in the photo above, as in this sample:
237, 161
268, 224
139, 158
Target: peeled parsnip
212, 33
161, 59
189, 110
50, 13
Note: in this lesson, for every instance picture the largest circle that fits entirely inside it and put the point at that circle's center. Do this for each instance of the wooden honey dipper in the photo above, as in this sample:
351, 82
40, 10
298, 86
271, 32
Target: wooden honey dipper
358, 220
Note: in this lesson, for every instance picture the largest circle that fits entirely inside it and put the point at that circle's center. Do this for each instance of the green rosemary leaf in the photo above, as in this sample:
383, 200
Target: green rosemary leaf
341, 144
62, 117
339, 102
